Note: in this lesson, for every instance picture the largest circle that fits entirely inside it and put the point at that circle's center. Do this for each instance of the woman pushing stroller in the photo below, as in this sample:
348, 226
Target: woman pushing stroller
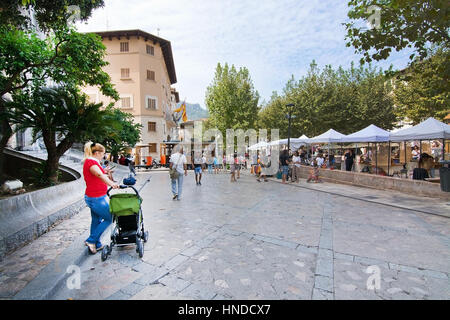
97, 183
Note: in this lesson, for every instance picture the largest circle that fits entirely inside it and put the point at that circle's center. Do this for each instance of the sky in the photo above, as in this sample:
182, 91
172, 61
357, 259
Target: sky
272, 39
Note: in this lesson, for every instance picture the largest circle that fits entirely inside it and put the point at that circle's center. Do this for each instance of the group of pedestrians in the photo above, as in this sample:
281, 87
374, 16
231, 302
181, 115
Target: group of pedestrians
98, 178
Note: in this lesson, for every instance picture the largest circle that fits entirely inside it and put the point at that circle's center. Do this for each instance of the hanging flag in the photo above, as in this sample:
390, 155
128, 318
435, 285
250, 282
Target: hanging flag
182, 108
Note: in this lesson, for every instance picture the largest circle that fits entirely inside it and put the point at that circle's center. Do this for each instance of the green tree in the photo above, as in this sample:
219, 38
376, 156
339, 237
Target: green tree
345, 100
48, 14
128, 135
61, 116
423, 90
67, 57
231, 99
402, 24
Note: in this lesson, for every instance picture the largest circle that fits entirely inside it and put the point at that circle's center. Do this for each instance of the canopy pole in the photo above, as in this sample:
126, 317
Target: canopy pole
389, 156
404, 144
376, 159
420, 149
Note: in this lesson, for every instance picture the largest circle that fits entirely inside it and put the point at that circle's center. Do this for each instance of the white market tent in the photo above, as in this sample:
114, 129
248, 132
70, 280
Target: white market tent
304, 139
285, 141
430, 129
259, 145
427, 130
327, 137
369, 134
298, 142
278, 142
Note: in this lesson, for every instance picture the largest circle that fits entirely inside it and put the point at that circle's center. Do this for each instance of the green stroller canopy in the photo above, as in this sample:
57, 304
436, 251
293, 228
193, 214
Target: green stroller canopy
125, 204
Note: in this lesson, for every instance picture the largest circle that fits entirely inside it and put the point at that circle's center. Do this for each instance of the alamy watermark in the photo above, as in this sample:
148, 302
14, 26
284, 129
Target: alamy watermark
237, 145
75, 14
74, 280
374, 20
374, 281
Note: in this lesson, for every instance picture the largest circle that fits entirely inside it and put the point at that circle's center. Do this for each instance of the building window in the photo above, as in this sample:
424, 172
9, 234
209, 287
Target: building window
124, 47
152, 147
150, 50
125, 73
150, 75
152, 127
151, 103
126, 101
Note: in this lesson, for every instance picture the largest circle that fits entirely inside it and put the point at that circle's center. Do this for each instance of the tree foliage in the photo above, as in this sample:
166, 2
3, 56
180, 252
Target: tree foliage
231, 99
48, 14
423, 90
345, 100
61, 116
65, 57
126, 137
402, 24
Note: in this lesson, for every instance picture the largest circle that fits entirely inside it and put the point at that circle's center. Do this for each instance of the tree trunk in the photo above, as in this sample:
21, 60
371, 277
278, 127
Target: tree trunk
6, 133
54, 154
52, 162
51, 166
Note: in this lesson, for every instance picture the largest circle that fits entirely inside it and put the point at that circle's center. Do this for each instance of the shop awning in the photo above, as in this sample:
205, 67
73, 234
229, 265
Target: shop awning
371, 133
427, 130
327, 137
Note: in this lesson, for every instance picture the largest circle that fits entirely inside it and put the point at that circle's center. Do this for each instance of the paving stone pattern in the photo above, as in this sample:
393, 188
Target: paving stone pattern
251, 240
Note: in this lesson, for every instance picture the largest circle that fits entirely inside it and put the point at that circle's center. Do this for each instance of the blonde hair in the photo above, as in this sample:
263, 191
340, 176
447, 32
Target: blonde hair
90, 148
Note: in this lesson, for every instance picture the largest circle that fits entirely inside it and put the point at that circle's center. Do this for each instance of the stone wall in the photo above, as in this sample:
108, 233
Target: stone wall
417, 187
25, 217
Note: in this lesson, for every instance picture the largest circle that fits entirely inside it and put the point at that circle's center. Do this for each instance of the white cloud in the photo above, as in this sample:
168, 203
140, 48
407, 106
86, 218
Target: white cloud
273, 39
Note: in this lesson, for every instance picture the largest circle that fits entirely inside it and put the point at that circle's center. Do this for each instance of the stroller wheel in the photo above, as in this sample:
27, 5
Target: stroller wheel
105, 252
145, 236
140, 248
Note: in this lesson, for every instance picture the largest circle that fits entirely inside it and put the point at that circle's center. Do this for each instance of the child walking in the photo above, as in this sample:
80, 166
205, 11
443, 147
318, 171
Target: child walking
233, 169
314, 173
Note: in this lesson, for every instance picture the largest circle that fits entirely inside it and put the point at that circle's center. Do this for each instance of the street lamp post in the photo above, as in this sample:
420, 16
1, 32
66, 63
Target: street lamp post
289, 116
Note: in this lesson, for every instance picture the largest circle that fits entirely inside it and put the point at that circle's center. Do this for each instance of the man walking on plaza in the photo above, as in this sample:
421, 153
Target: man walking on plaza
284, 161
197, 163
178, 161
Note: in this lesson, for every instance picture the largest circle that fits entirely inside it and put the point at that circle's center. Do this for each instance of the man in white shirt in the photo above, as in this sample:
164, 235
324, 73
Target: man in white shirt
179, 161
203, 162
296, 168
319, 160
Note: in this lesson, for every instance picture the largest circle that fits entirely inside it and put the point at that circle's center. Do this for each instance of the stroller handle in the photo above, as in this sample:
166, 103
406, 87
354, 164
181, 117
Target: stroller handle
123, 186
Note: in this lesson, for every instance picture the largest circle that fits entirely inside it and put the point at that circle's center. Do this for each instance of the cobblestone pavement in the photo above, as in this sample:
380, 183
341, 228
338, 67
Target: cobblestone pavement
250, 240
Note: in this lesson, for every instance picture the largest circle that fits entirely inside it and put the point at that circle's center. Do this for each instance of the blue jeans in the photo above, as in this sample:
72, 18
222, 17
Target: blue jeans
101, 218
285, 170
198, 170
180, 185
209, 168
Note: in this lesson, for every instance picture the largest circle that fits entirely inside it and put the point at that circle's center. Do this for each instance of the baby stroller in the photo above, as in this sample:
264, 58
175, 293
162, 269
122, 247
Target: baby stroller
128, 221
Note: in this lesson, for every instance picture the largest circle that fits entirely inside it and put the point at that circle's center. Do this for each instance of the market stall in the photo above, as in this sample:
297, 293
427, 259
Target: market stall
433, 137
379, 138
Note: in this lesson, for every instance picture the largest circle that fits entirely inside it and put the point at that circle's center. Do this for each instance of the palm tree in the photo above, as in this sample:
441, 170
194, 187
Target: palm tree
61, 116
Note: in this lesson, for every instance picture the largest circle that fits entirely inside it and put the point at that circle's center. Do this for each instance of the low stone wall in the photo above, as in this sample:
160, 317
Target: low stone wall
25, 217
16, 162
417, 187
